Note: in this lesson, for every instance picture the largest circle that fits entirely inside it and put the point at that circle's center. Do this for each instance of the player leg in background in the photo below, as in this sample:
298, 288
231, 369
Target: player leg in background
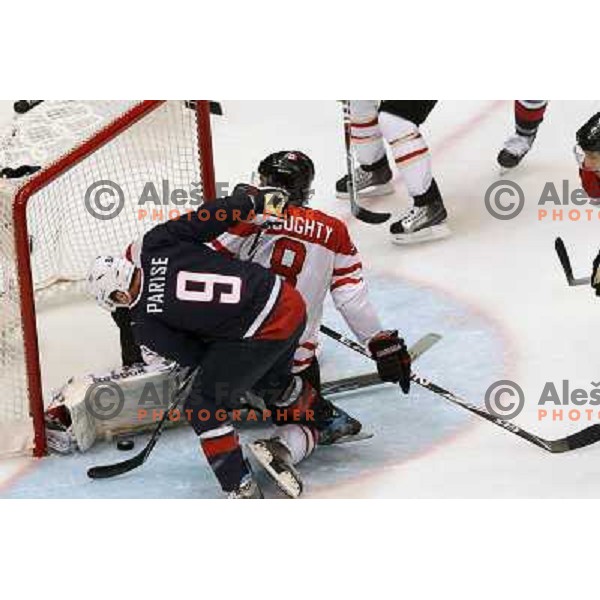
426, 220
295, 440
529, 115
373, 177
229, 369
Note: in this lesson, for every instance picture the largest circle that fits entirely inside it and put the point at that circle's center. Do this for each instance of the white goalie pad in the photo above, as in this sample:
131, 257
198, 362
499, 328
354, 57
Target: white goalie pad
102, 406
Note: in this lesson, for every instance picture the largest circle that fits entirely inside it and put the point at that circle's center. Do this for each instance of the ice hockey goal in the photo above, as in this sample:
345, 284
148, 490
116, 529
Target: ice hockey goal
55, 221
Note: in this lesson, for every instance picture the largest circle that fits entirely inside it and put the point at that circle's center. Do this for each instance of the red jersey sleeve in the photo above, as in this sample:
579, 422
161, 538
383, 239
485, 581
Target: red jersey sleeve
591, 183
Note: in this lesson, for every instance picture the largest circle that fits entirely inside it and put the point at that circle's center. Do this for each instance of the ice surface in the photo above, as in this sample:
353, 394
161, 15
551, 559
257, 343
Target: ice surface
494, 291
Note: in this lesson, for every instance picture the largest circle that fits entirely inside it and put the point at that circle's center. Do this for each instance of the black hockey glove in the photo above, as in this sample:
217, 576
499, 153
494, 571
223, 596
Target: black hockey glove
595, 282
267, 200
392, 358
131, 352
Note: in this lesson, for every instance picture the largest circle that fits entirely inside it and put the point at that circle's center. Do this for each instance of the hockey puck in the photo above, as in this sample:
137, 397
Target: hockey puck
125, 445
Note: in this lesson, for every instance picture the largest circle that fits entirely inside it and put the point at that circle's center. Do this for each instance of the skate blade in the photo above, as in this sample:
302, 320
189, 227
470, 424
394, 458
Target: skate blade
289, 483
347, 439
380, 190
430, 234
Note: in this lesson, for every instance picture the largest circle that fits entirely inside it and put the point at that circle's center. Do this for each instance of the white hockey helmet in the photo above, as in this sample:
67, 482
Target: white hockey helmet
108, 275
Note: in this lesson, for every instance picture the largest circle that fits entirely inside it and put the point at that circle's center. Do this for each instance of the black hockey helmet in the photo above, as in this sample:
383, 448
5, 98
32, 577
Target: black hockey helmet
291, 170
588, 136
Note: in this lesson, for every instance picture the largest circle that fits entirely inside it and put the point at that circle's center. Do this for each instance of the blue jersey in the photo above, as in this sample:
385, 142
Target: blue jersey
191, 295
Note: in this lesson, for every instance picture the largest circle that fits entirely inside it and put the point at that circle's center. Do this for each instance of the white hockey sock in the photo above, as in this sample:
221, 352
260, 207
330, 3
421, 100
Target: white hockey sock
299, 439
366, 134
410, 152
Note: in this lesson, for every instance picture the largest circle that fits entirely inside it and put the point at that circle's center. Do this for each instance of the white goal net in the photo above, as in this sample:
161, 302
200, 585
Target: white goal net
109, 170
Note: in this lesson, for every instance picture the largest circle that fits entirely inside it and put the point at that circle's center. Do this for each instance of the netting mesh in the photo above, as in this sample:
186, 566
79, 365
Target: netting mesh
150, 159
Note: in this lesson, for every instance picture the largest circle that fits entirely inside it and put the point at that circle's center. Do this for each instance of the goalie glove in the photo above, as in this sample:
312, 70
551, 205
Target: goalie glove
268, 201
393, 360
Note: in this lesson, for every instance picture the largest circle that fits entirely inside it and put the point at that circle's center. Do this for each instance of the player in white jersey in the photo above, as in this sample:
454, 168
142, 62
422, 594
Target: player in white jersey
314, 252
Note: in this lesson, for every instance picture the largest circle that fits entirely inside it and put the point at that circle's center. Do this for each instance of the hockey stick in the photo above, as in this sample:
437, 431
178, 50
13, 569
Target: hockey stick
357, 210
350, 384
586, 437
107, 471
565, 262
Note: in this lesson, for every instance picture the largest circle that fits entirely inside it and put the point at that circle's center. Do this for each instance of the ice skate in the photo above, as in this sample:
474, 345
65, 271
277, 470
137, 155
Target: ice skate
248, 490
275, 458
371, 181
421, 224
514, 150
336, 424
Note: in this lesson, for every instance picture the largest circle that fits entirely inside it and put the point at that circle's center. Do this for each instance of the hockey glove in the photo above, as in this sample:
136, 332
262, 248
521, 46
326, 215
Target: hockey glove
392, 358
267, 201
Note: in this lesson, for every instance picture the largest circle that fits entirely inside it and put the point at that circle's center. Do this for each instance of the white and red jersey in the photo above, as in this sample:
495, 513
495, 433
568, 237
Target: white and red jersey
314, 252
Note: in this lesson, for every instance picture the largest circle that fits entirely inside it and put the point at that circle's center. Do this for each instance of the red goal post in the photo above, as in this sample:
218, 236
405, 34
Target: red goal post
156, 128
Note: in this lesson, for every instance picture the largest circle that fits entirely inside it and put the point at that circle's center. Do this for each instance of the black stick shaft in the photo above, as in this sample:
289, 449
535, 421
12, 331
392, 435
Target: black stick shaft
358, 211
583, 438
565, 263
108, 471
